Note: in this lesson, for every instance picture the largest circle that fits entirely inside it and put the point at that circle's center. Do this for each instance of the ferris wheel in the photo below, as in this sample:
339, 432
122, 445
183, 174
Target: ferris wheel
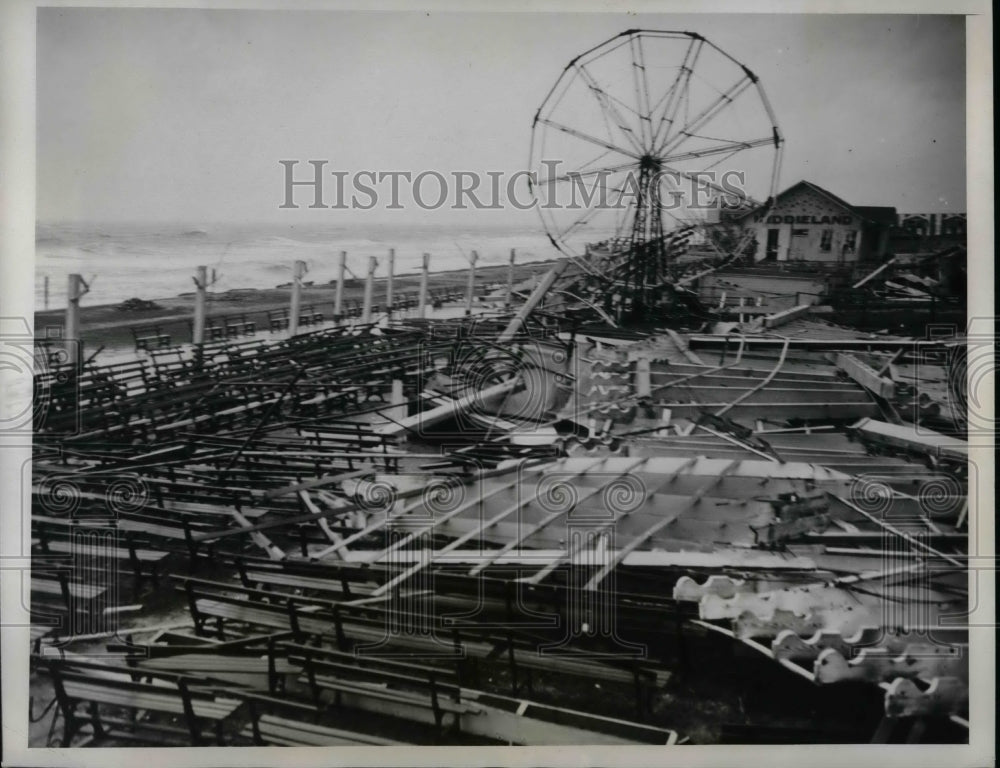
642, 140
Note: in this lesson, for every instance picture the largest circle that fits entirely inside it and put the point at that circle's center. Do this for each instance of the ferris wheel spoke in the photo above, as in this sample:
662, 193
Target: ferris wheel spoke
586, 137
670, 143
698, 179
719, 149
580, 175
562, 235
678, 91
641, 90
606, 102
623, 104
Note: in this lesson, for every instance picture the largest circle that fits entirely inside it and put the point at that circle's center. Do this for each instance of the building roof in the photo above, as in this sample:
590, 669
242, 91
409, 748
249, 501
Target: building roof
879, 214
883, 215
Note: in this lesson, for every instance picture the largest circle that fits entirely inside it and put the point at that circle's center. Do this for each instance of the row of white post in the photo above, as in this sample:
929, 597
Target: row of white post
78, 287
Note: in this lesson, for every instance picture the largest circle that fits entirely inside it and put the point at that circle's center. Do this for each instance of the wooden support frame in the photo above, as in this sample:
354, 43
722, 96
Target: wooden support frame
622, 553
507, 512
549, 518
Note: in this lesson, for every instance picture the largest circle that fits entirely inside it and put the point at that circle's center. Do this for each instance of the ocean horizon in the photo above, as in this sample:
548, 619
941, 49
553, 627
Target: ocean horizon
158, 260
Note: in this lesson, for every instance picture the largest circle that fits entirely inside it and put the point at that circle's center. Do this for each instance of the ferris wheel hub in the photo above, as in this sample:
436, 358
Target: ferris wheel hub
649, 163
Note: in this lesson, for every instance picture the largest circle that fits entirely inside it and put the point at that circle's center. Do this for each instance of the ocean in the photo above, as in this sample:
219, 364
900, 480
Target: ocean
158, 261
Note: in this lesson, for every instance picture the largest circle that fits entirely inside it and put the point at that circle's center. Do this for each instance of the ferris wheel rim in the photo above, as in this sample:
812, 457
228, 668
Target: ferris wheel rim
662, 146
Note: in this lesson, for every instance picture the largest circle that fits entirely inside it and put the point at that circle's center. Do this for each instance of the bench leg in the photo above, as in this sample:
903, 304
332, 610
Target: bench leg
192, 721
70, 726
196, 617
95, 721
192, 547
71, 723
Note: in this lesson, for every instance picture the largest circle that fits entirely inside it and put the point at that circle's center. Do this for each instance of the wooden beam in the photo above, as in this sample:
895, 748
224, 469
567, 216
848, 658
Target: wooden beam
922, 441
870, 275
389, 518
896, 532
786, 316
572, 552
446, 411
767, 380
550, 518
536, 297
516, 506
659, 525
709, 341
866, 376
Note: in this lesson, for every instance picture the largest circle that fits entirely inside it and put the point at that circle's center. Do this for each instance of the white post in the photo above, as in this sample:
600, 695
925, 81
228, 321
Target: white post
642, 377
75, 290
201, 283
510, 278
399, 411
366, 310
338, 301
471, 288
46, 291
422, 297
388, 282
296, 308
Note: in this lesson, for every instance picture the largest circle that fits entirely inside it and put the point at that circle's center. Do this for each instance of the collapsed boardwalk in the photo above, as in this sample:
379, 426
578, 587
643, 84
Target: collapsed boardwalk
356, 569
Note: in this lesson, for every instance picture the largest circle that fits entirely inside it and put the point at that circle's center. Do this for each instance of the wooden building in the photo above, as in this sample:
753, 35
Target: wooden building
808, 223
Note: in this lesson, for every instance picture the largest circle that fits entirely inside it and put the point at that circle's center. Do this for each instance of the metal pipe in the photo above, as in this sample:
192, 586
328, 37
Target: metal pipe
422, 297
366, 310
510, 278
338, 300
296, 308
470, 291
201, 284
388, 283
72, 331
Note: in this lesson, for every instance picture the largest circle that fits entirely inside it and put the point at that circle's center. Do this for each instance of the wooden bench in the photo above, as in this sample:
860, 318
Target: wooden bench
329, 587
279, 731
145, 563
214, 331
277, 319
238, 325
310, 316
486, 638
248, 669
150, 337
83, 688
379, 684
38, 633
72, 595
207, 602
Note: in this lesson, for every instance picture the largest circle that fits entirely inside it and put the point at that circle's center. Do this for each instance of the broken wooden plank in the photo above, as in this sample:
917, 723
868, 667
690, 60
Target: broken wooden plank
866, 376
786, 316
908, 437
448, 410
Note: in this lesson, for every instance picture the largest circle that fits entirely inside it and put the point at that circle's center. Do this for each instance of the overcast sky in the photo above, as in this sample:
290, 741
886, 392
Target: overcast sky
183, 115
